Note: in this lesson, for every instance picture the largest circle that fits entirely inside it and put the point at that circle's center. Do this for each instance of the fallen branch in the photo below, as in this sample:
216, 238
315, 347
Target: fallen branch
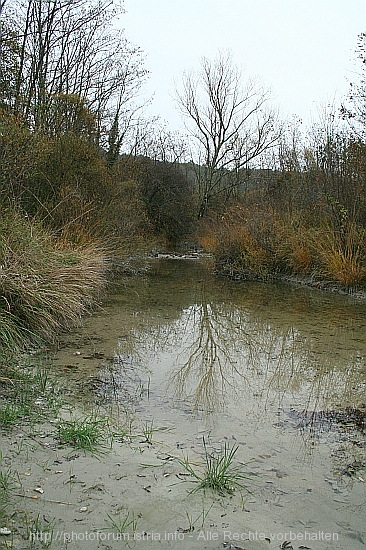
33, 497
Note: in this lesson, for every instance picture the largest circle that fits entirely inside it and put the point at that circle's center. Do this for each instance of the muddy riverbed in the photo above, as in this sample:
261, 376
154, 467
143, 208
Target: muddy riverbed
186, 364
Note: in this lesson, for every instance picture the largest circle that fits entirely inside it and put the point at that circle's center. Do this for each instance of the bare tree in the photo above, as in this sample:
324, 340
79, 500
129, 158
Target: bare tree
355, 111
154, 140
230, 123
70, 49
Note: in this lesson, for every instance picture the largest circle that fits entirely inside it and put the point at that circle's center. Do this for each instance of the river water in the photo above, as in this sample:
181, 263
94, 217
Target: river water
277, 370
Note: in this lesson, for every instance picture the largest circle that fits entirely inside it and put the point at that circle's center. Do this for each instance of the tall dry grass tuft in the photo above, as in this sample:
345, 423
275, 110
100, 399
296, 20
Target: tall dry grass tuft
294, 250
342, 257
43, 286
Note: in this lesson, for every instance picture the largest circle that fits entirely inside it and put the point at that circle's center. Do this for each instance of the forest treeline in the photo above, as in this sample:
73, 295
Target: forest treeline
86, 178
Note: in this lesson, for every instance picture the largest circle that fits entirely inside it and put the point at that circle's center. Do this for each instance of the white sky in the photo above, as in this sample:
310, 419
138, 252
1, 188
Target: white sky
304, 50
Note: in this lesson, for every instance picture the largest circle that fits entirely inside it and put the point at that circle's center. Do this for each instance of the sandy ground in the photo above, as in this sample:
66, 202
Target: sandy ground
82, 501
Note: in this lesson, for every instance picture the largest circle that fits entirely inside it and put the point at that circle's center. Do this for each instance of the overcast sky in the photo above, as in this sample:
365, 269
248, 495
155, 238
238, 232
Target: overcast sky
304, 50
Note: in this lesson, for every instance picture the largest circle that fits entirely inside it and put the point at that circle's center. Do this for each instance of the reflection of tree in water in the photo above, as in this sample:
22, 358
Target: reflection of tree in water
257, 348
229, 353
231, 342
209, 341
252, 346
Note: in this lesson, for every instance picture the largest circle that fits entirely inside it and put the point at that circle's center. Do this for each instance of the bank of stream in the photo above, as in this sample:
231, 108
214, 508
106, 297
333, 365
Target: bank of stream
186, 364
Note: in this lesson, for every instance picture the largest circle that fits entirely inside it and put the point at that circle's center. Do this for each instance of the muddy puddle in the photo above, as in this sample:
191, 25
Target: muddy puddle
191, 362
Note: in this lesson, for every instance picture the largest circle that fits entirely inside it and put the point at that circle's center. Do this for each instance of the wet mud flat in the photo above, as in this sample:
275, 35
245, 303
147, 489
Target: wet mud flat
183, 365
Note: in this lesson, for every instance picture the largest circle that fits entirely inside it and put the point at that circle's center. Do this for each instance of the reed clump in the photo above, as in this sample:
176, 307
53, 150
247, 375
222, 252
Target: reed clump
44, 286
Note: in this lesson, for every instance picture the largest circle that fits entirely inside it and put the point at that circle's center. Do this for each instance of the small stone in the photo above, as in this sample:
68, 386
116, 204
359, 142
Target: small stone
5, 531
83, 509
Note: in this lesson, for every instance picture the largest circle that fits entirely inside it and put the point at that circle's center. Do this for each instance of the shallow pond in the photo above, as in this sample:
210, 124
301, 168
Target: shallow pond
275, 370
210, 346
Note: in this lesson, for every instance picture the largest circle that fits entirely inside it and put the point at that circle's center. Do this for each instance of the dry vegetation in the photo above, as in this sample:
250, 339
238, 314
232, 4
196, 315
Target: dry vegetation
43, 287
262, 248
